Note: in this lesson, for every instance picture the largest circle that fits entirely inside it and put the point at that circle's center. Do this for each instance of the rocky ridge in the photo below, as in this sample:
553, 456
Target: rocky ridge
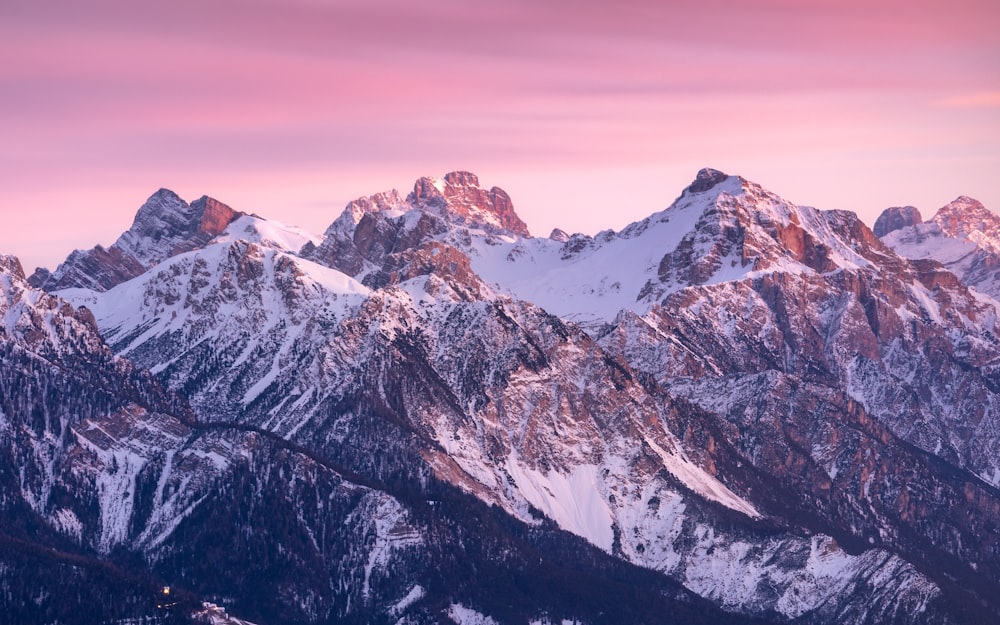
964, 236
114, 487
439, 348
164, 226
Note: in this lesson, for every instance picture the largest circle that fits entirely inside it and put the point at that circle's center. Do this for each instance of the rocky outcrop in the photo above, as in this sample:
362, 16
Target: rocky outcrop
559, 235
967, 217
164, 226
372, 228
705, 180
459, 197
964, 236
895, 218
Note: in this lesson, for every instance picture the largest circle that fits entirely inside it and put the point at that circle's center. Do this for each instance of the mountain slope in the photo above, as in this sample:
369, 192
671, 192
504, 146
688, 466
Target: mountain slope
753, 391
104, 464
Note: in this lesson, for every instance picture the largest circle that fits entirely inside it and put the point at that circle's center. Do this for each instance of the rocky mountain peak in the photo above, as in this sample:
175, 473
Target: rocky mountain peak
166, 215
706, 179
964, 216
459, 197
895, 218
11, 265
386, 202
164, 226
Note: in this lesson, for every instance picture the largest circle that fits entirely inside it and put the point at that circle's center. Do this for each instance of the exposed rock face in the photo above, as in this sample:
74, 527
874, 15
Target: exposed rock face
11, 266
372, 228
759, 402
964, 236
559, 235
895, 218
460, 197
964, 217
705, 180
164, 226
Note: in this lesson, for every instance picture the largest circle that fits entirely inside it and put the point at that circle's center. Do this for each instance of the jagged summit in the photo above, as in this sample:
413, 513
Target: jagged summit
706, 179
964, 216
896, 217
457, 198
11, 265
164, 226
448, 209
166, 217
963, 235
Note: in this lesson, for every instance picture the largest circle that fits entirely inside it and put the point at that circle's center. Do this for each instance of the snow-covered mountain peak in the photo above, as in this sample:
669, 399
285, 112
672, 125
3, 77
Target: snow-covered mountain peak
706, 179
965, 216
377, 234
164, 226
456, 198
387, 203
167, 225
964, 236
721, 228
10, 265
39, 322
267, 233
459, 198
735, 227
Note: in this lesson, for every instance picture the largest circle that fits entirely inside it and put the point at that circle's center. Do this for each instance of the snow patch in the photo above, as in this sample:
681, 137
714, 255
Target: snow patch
708, 486
573, 501
416, 594
462, 615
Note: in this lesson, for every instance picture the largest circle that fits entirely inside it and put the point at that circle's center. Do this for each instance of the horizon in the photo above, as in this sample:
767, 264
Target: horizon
590, 119
403, 191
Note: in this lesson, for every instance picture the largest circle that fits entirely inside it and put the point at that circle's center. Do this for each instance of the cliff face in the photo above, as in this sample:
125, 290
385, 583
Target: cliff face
895, 218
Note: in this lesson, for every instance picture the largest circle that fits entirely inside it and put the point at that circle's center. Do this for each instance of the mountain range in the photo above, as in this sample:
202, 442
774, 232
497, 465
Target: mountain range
737, 410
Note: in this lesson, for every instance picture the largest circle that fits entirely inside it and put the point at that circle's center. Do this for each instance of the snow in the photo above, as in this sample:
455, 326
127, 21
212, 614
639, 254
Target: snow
927, 240
970, 255
66, 521
597, 282
573, 501
268, 233
416, 594
391, 533
695, 478
926, 301
591, 280
732, 572
160, 301
462, 615
216, 615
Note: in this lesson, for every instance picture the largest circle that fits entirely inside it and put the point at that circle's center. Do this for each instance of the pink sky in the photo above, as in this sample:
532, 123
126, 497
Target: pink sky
590, 114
